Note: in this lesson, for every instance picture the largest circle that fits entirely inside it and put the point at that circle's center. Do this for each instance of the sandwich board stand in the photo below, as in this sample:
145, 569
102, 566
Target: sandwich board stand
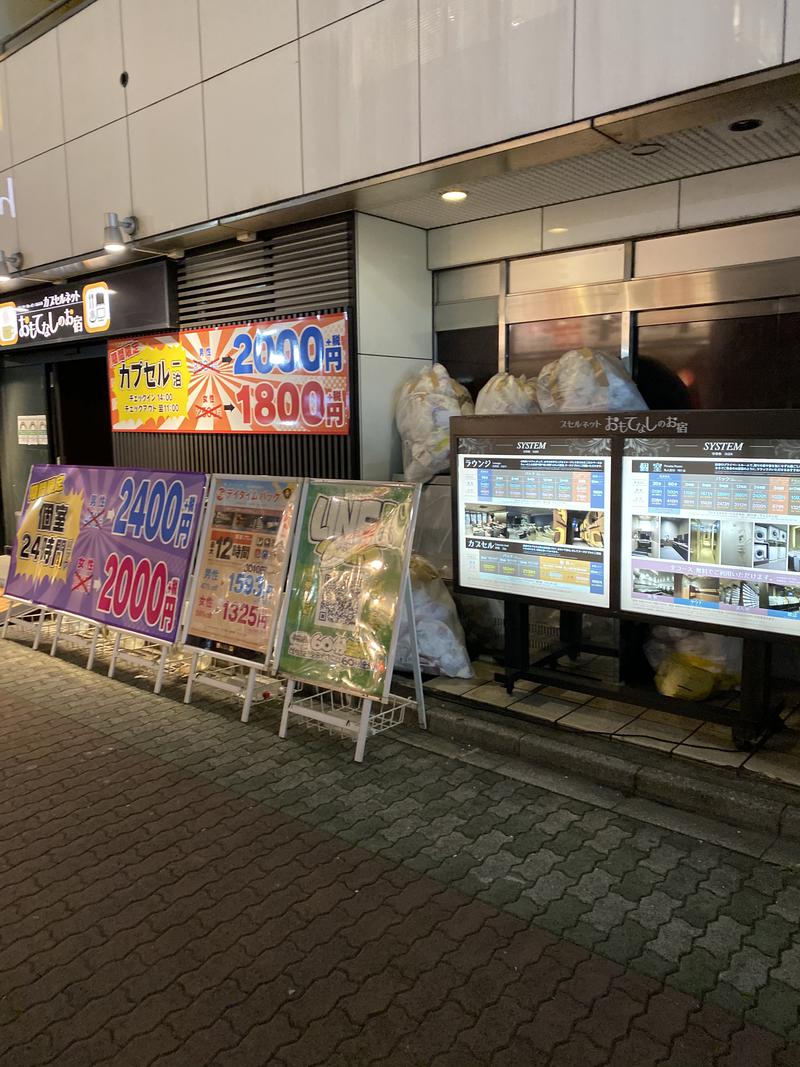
238, 584
685, 519
110, 548
348, 581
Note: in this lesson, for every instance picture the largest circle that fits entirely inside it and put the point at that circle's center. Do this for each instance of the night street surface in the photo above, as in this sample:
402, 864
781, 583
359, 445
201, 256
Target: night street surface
179, 889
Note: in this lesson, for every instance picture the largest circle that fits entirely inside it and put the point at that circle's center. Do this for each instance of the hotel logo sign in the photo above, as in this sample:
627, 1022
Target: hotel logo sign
57, 316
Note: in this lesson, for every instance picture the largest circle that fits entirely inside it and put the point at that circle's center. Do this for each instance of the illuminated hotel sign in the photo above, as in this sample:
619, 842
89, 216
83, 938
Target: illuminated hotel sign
126, 301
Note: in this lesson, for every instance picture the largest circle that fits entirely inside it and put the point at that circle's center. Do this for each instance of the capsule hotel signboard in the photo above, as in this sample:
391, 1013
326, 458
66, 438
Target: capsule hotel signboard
286, 376
131, 299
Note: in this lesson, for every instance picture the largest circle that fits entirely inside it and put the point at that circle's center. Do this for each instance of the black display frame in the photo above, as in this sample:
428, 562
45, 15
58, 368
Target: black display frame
619, 427
515, 427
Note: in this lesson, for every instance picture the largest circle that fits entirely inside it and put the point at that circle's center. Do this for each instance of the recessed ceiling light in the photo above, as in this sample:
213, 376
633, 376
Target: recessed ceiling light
453, 196
558, 229
745, 125
646, 148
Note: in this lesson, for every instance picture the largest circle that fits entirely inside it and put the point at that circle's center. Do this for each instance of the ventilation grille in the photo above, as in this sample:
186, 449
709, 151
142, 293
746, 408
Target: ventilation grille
309, 269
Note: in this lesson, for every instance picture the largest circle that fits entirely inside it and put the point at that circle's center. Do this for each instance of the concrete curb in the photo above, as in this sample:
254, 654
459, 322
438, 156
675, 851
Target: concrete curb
723, 794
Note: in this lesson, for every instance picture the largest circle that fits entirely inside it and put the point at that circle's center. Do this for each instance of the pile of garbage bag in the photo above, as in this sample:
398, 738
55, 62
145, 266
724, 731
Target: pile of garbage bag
425, 406
693, 665
582, 380
440, 636
507, 394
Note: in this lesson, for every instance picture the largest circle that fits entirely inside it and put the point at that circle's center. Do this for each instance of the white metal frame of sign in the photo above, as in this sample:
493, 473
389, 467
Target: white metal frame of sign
353, 714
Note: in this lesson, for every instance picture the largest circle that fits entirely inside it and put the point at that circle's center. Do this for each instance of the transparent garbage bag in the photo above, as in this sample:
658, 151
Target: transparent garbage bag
425, 406
691, 664
507, 394
440, 637
582, 380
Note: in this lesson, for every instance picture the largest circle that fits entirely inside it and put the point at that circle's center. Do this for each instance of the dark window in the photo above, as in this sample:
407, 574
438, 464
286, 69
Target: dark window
469, 355
748, 362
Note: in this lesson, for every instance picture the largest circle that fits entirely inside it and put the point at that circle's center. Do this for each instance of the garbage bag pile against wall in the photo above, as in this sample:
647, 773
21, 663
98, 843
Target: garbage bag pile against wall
582, 380
507, 394
440, 637
425, 406
693, 665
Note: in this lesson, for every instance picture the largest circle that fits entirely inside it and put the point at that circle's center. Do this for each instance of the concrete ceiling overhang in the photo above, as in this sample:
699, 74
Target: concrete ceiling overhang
569, 162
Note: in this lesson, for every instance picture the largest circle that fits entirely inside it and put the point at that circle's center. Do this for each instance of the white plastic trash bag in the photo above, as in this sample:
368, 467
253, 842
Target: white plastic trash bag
507, 394
425, 406
691, 664
583, 380
440, 637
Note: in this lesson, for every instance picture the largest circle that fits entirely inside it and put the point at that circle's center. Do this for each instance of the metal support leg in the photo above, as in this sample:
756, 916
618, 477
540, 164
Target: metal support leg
115, 650
93, 649
517, 642
412, 633
755, 702
5, 621
162, 662
39, 626
363, 731
56, 634
187, 697
248, 696
287, 701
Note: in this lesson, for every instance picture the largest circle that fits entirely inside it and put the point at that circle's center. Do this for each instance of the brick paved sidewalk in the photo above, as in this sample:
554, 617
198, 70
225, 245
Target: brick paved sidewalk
179, 889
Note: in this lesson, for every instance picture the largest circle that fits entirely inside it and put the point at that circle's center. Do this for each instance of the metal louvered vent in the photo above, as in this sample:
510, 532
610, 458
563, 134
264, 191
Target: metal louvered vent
308, 269
300, 270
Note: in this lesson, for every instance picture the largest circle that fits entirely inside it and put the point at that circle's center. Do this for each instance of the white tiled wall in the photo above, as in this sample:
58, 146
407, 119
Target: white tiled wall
90, 52
5, 121
792, 43
588, 266
506, 235
493, 69
627, 51
40, 186
374, 85
604, 218
9, 235
753, 242
237, 30
763, 189
360, 95
380, 379
98, 181
33, 86
317, 13
267, 166
394, 288
395, 331
162, 48
168, 173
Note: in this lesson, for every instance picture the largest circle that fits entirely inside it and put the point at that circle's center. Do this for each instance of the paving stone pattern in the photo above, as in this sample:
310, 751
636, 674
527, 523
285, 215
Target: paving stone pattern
176, 888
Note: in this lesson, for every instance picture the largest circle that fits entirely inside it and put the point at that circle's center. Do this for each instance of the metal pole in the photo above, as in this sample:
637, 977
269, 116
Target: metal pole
248, 697
162, 662
287, 700
363, 731
187, 697
56, 633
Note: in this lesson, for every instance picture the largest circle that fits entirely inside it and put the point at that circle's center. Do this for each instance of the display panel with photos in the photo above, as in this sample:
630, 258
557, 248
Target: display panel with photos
241, 564
711, 532
531, 517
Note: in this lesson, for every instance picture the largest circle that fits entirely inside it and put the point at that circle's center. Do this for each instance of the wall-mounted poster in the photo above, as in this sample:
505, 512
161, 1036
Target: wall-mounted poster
32, 430
241, 564
290, 376
344, 594
108, 544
